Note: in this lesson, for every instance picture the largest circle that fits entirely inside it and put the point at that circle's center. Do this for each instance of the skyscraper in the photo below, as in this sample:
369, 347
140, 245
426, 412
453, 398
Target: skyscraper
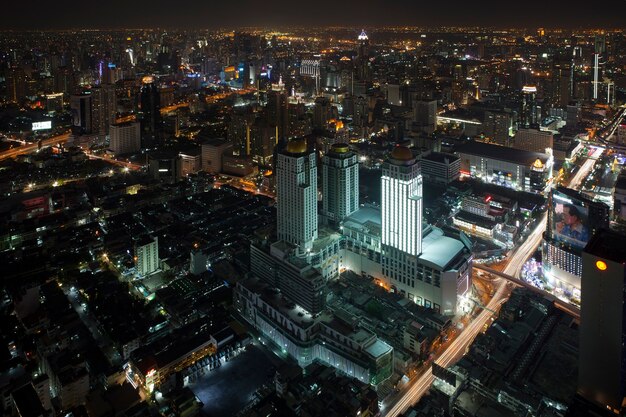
401, 205
103, 108
340, 187
362, 60
529, 103
80, 106
150, 106
16, 84
296, 174
602, 357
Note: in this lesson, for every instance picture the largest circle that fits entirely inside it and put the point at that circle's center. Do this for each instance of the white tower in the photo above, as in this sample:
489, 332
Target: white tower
340, 187
402, 202
296, 197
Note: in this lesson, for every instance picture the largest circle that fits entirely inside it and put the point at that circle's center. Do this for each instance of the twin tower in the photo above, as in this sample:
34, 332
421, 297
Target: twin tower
297, 195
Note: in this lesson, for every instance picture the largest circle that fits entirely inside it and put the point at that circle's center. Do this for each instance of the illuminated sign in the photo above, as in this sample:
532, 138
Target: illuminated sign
42, 125
601, 265
570, 220
151, 372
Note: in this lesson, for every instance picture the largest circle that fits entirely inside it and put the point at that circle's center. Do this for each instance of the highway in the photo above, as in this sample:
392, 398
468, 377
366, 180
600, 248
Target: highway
454, 352
15, 152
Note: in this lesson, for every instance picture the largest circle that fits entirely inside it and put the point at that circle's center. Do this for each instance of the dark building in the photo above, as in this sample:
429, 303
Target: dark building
80, 106
602, 360
150, 115
15, 84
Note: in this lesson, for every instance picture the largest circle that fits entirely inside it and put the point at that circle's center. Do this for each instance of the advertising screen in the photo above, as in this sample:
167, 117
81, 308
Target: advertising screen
570, 222
42, 125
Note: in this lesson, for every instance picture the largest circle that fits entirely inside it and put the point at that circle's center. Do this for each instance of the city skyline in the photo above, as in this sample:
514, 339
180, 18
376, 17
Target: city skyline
322, 221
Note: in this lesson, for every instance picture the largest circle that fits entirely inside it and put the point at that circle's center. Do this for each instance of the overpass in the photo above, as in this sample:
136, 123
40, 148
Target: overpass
560, 304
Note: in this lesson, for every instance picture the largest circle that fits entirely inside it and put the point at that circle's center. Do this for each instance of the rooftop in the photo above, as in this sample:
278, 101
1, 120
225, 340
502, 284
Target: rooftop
439, 250
609, 245
442, 158
502, 153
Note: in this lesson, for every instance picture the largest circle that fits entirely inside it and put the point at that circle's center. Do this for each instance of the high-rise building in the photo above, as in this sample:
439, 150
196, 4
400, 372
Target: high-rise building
147, 255
602, 349
150, 113
340, 183
16, 84
296, 177
103, 108
528, 112
276, 111
497, 126
362, 60
80, 106
125, 138
401, 205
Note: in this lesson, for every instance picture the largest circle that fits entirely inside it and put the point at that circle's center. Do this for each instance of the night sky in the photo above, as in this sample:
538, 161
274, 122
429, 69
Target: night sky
61, 14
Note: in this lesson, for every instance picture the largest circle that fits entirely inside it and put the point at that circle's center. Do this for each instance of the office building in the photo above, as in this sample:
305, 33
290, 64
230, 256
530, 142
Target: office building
125, 138
212, 152
147, 255
528, 112
15, 81
602, 357
150, 113
277, 113
296, 176
533, 140
497, 126
103, 108
340, 183
80, 107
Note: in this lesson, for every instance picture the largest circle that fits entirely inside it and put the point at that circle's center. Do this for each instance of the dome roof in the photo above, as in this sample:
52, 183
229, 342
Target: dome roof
297, 146
402, 153
340, 148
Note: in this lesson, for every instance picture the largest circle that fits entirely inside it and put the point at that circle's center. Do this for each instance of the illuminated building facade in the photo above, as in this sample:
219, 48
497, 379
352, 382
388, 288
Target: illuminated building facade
402, 203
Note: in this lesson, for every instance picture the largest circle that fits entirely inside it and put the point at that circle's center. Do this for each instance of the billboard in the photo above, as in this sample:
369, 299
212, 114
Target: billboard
570, 220
42, 125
